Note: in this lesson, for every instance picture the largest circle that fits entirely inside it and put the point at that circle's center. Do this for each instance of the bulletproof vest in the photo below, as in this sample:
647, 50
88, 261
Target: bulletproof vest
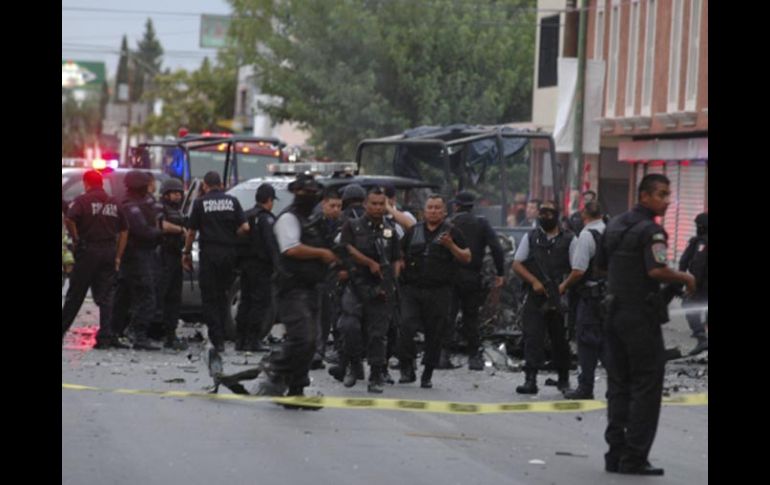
624, 244
100, 217
591, 272
352, 213
172, 214
365, 238
245, 243
149, 211
306, 273
257, 247
473, 232
699, 263
428, 263
550, 254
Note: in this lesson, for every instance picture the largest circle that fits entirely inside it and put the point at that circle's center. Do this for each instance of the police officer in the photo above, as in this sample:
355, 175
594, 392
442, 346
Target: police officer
372, 242
353, 202
542, 262
136, 291
256, 263
330, 294
468, 287
99, 231
219, 219
695, 261
590, 288
170, 262
634, 252
431, 252
301, 266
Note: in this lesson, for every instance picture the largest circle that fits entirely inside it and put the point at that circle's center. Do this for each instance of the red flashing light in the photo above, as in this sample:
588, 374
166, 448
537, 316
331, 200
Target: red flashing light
686, 163
206, 133
183, 132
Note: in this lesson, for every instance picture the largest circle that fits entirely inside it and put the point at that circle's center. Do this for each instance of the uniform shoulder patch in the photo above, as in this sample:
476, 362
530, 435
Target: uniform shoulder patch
659, 236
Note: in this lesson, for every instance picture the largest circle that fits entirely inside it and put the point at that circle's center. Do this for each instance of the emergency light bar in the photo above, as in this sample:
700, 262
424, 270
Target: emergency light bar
314, 168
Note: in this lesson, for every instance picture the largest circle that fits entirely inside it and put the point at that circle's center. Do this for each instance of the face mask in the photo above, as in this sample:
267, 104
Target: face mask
305, 202
547, 224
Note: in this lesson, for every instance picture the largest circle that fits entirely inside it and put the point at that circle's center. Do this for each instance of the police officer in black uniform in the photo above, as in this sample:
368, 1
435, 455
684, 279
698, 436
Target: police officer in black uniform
590, 288
99, 232
634, 252
256, 263
432, 249
695, 261
469, 291
136, 291
301, 266
219, 219
372, 242
170, 262
542, 261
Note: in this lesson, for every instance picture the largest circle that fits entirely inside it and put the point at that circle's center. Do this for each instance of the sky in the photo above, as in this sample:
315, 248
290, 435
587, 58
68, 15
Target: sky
96, 35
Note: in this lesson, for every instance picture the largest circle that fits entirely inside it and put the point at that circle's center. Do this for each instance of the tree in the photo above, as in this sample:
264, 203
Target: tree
352, 69
122, 78
197, 100
80, 123
148, 60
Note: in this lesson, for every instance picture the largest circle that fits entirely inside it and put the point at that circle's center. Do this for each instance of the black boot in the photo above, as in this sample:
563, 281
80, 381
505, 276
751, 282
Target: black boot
579, 393
425, 378
562, 384
351, 376
530, 383
375, 380
407, 374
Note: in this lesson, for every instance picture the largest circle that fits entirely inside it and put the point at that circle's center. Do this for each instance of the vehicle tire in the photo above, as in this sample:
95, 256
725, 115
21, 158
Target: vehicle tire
234, 298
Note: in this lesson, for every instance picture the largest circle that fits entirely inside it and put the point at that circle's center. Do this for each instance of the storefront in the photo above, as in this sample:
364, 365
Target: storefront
685, 163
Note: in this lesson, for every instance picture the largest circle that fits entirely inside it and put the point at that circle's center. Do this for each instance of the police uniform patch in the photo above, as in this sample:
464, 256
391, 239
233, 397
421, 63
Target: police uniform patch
659, 237
659, 252
387, 233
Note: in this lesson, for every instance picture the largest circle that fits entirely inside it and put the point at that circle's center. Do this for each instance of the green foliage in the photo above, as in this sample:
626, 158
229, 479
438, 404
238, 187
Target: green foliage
80, 123
148, 59
351, 69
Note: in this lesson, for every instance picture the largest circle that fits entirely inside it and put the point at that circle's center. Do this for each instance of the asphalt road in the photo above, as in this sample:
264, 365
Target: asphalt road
115, 438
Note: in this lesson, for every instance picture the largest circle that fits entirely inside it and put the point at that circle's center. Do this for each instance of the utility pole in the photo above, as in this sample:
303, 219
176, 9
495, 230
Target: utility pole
577, 150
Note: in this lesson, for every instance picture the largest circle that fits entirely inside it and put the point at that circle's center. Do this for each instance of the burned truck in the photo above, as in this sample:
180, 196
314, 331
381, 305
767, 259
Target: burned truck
504, 167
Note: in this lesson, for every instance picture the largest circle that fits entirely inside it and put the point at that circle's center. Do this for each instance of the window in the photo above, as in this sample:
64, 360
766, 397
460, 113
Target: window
691, 89
549, 51
613, 60
649, 58
633, 49
599, 37
675, 57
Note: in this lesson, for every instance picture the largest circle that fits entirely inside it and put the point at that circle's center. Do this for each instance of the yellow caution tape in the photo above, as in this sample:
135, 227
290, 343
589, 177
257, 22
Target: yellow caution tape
412, 405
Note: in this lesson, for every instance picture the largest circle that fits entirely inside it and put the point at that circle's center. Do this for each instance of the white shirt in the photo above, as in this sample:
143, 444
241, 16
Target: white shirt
288, 231
522, 252
583, 247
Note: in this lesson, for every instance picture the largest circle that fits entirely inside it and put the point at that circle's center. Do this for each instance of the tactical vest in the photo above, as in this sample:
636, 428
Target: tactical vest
550, 254
149, 211
172, 243
624, 242
428, 264
305, 273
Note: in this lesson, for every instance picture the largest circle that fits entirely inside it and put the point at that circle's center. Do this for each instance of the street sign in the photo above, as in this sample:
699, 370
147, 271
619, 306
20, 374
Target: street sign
214, 31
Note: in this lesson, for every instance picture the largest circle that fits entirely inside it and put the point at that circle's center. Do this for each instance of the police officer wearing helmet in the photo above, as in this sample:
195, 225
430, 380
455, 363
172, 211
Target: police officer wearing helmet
99, 232
633, 251
258, 251
219, 219
353, 202
695, 260
136, 296
542, 261
170, 262
468, 287
590, 288
301, 267
432, 249
372, 242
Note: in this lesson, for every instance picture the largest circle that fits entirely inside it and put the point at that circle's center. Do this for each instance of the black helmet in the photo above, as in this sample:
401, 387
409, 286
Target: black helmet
353, 191
136, 179
171, 185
